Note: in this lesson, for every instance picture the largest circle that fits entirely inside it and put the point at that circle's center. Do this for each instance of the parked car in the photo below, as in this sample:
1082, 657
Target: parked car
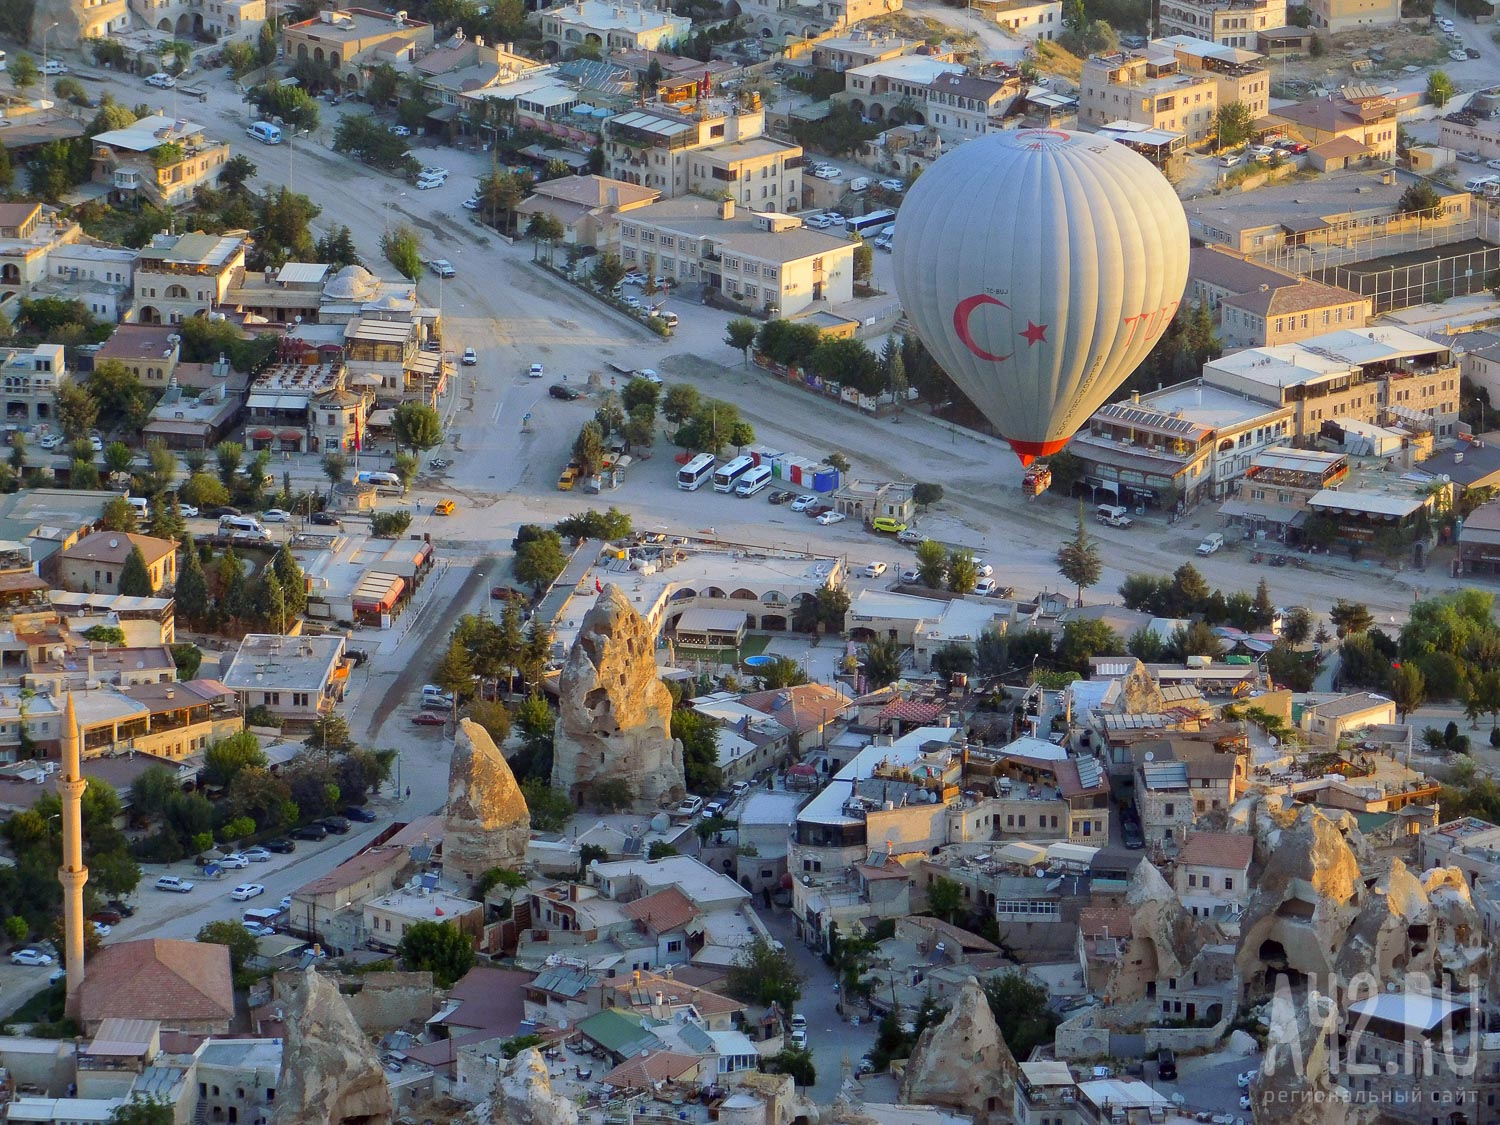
442, 267
650, 375
471, 357
52, 68
1131, 834
535, 371
564, 392
356, 656
813, 511
429, 719
889, 524
831, 517
781, 497
30, 957
688, 806
426, 183
313, 831
1457, 56
1244, 1078
472, 203
507, 594
739, 788
161, 81
326, 519
874, 569
259, 929
799, 1038
173, 883
108, 917
275, 515
1471, 52
359, 813
445, 508
1261, 152
1471, 157
910, 576
335, 824
121, 907
233, 861
280, 846
220, 511
1212, 543
802, 503
257, 854
1166, 1065
247, 891
911, 535
399, 131
893, 185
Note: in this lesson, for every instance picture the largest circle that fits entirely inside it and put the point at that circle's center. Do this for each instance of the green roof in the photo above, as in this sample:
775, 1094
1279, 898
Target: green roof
619, 1032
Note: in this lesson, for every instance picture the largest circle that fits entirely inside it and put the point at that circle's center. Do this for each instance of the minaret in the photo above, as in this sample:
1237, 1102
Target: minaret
73, 874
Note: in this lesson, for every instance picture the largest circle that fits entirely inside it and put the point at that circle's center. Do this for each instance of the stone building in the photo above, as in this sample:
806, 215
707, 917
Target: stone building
615, 720
487, 823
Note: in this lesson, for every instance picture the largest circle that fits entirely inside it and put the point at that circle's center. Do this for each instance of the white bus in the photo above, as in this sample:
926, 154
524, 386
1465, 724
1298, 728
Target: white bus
695, 472
728, 473
753, 481
869, 222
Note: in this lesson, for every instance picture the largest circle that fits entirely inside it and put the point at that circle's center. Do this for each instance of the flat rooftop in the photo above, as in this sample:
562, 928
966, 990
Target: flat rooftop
828, 806
1209, 407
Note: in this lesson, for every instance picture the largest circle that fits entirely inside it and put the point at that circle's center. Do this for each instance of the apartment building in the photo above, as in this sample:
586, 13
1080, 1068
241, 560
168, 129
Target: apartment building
1229, 23
353, 40
601, 27
588, 207
859, 48
1152, 90
1258, 305
1239, 75
1362, 114
1335, 16
158, 159
1377, 375
764, 261
840, 14
962, 106
183, 275
29, 378
758, 173
94, 563
901, 83
662, 148
297, 679
1025, 19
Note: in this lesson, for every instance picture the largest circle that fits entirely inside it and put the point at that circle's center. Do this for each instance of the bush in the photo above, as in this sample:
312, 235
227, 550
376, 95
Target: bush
390, 525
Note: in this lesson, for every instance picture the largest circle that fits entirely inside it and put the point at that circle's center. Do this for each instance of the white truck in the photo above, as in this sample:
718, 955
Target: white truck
1113, 515
1212, 542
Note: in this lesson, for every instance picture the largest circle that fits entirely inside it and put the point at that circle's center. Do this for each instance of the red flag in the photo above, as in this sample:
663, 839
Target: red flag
598, 588
439, 911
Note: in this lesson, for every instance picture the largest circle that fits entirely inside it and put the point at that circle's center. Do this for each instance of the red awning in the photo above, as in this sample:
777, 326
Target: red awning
262, 435
290, 435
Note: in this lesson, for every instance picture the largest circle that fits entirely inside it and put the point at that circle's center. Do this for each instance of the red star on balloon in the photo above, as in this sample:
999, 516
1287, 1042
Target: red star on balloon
1035, 334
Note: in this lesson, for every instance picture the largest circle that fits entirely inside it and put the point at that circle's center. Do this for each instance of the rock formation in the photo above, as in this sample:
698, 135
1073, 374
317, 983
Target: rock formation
329, 1072
962, 1062
1166, 940
1292, 1085
487, 823
616, 712
67, 35
524, 1095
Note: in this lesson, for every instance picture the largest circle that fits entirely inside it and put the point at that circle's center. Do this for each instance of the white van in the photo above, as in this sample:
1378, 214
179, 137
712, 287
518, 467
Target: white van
1212, 543
1113, 515
381, 480
860, 183
1477, 184
753, 481
265, 133
241, 523
139, 503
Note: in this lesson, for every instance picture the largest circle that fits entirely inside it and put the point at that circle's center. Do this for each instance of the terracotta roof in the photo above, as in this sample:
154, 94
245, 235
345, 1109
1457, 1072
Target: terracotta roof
1217, 849
354, 869
1293, 297
663, 912
114, 547
158, 979
1341, 146
912, 711
964, 939
137, 341
644, 1072
1222, 268
1095, 921
488, 998
802, 708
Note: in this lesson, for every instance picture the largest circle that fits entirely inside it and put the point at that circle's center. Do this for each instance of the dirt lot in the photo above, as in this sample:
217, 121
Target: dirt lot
1394, 48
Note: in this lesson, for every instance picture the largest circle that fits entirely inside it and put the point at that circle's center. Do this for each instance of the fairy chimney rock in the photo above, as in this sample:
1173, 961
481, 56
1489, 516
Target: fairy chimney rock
616, 720
487, 823
962, 1062
329, 1071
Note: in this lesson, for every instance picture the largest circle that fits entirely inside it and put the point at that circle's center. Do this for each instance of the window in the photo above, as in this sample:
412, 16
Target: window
1169, 809
1229, 882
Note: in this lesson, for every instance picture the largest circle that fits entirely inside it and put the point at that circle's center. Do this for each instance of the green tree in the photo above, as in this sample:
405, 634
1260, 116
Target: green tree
963, 571
796, 1062
1194, 639
945, 899
926, 495
118, 515
1020, 1007
699, 736
1350, 617
227, 757
152, 791
233, 935
608, 272
1078, 559
23, 72
118, 457
781, 672
550, 808
192, 584
1440, 88
442, 949
765, 974
135, 578
588, 449
680, 403
337, 248
1408, 689
455, 672
882, 663
1418, 198
541, 228
402, 250
833, 607
204, 490
740, 335
76, 411
540, 561
1297, 625
147, 1109
229, 455
417, 426
1235, 124
932, 563
236, 175
1084, 639
166, 518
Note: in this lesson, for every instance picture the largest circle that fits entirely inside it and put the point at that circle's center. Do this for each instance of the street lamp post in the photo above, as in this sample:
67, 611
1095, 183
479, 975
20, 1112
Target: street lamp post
44, 58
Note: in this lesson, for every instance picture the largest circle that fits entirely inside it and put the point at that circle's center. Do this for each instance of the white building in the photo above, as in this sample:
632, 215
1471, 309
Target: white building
1213, 874
295, 678
30, 379
605, 27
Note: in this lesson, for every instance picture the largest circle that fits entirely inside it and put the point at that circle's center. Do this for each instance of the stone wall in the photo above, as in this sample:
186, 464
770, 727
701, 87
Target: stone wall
1186, 1039
382, 1002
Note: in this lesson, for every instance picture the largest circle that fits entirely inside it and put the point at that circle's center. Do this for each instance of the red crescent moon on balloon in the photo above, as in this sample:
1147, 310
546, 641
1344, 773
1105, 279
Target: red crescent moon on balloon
961, 313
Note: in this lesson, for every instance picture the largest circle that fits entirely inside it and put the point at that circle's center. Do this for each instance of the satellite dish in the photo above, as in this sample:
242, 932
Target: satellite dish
1150, 755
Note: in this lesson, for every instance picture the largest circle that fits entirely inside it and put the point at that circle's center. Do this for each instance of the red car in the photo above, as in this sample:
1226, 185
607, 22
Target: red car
108, 917
507, 594
428, 719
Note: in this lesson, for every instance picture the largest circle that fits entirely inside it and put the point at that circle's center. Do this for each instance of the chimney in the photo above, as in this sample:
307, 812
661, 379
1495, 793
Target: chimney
614, 199
726, 209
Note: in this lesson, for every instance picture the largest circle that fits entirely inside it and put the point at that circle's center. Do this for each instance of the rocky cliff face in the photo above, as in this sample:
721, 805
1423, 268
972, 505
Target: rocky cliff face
524, 1095
616, 712
329, 1072
487, 823
963, 1063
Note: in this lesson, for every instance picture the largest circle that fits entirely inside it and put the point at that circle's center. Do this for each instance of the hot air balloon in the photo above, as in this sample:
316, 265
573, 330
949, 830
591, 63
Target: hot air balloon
1039, 267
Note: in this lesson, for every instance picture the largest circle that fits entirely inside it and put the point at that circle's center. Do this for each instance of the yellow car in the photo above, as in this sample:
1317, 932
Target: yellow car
887, 523
445, 508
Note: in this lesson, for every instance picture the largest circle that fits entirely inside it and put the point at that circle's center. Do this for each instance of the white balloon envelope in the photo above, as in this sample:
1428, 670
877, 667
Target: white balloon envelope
1039, 267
